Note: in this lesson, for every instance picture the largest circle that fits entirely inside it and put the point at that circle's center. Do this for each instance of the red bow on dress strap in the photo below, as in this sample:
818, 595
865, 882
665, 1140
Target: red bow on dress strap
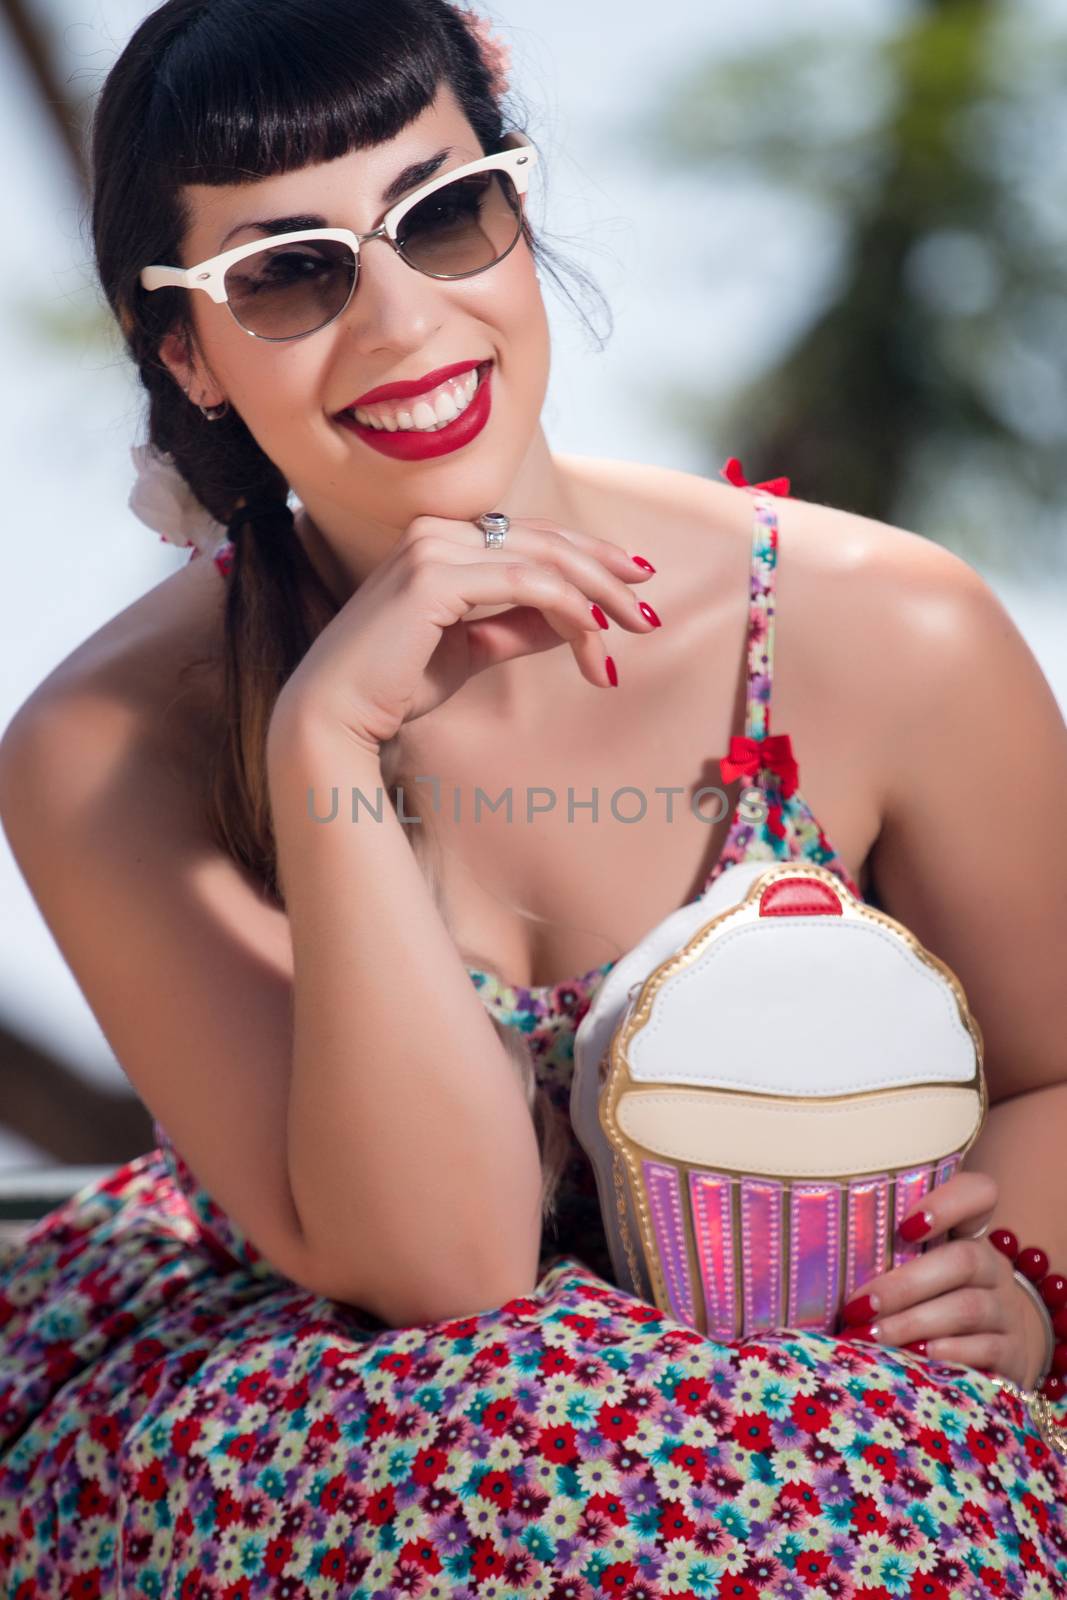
733, 474
747, 756
774, 753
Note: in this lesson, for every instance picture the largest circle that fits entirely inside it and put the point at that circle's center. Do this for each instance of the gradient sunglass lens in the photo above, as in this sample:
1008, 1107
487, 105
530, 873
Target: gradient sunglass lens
288, 289
463, 227
283, 291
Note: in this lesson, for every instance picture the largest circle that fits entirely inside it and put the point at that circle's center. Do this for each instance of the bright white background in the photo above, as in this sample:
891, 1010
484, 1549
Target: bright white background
73, 553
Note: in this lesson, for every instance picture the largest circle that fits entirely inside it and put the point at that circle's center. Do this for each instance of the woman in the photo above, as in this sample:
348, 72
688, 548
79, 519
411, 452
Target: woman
318, 1342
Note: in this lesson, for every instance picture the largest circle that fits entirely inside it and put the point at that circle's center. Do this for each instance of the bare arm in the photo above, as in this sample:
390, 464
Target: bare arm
408, 1132
971, 858
193, 986
341, 1037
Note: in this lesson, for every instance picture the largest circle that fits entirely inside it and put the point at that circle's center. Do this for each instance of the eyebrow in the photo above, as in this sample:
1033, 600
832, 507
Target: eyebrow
418, 172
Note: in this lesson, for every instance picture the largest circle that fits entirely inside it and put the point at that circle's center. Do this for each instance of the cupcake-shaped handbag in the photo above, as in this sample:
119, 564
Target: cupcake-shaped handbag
764, 1086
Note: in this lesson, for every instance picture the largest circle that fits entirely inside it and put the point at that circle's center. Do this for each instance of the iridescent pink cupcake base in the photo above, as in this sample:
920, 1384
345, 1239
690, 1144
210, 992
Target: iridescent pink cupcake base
831, 1237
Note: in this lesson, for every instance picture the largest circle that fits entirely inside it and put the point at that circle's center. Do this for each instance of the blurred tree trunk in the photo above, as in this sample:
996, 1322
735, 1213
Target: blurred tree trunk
925, 388
864, 403
73, 1121
34, 45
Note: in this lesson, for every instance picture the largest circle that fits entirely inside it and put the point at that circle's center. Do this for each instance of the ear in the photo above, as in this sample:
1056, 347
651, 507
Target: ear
188, 369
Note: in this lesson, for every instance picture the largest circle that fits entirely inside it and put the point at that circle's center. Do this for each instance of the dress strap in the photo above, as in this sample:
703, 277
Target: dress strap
760, 636
766, 760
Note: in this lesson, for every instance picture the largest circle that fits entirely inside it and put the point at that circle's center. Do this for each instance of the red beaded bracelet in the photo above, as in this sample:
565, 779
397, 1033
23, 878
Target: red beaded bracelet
1032, 1264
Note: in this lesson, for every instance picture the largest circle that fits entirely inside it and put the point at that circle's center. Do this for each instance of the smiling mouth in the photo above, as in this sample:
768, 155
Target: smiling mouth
407, 406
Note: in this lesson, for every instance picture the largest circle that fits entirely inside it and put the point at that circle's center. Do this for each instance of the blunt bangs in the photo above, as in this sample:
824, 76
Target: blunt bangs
249, 94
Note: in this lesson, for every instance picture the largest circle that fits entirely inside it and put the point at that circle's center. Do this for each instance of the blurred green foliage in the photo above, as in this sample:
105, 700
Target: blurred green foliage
84, 322
929, 387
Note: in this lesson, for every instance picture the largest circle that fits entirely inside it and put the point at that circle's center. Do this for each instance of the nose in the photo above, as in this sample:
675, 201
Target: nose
377, 235
391, 303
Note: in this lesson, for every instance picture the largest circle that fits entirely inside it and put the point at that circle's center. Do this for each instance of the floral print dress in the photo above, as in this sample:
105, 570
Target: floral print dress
178, 1421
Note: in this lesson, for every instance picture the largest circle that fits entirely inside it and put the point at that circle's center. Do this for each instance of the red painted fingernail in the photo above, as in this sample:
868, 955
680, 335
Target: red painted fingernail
919, 1347
869, 1330
598, 614
613, 676
916, 1227
641, 562
862, 1309
650, 614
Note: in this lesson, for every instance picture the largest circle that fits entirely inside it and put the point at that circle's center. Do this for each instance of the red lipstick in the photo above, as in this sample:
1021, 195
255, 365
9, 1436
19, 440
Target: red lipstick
411, 444
404, 391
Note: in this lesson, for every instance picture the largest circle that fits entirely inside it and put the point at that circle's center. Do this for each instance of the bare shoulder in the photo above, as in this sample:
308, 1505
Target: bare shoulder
152, 672
894, 624
835, 540
833, 565
869, 617
819, 539
895, 596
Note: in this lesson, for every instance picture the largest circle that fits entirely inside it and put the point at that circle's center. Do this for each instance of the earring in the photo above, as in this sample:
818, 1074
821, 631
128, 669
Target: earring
213, 413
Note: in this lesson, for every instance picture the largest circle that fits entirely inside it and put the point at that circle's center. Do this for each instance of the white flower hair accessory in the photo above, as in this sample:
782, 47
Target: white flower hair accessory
161, 499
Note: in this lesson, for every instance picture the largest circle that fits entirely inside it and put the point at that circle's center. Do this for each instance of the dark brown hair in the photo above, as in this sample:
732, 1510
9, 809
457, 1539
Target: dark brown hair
221, 91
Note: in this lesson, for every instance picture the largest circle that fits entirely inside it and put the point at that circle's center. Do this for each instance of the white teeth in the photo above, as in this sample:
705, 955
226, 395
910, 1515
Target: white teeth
446, 408
430, 412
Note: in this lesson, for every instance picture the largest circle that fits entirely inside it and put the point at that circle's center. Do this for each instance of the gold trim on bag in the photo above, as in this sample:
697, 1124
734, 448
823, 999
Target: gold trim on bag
627, 1155
1042, 1412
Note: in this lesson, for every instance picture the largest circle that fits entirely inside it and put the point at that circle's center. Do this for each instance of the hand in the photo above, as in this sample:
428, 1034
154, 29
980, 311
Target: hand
401, 644
959, 1301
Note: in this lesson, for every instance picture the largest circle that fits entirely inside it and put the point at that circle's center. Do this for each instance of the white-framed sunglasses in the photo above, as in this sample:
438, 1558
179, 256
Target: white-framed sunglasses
293, 284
